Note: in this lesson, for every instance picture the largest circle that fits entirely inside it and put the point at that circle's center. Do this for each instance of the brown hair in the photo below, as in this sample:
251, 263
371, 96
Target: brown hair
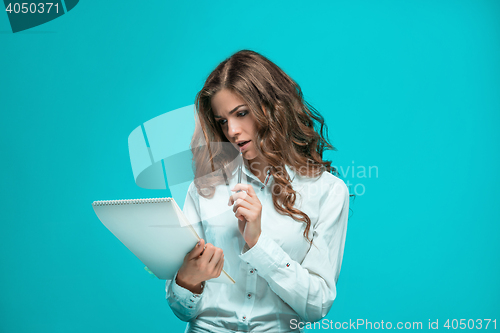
290, 131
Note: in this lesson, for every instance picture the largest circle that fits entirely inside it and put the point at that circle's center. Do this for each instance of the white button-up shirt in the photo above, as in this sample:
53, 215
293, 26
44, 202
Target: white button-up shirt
283, 279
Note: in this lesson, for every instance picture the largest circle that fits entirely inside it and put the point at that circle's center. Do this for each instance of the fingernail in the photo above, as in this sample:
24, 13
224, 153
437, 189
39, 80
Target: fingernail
199, 242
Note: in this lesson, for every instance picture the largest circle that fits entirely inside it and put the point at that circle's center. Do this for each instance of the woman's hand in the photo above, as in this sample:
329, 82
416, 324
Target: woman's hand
248, 210
201, 264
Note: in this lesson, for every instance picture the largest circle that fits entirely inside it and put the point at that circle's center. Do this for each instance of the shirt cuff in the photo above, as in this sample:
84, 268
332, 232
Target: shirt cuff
265, 256
184, 296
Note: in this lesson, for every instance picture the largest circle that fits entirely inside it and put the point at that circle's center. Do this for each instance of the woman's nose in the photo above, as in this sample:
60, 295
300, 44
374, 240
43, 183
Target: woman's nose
234, 128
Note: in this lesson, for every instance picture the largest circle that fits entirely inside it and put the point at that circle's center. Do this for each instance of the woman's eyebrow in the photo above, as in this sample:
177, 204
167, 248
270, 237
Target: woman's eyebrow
233, 110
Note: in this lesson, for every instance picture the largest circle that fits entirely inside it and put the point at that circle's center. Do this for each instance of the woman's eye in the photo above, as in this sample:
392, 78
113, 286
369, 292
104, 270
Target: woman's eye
240, 114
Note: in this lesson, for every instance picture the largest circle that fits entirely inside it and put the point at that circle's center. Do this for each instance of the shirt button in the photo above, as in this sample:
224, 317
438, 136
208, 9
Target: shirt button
244, 318
249, 295
251, 271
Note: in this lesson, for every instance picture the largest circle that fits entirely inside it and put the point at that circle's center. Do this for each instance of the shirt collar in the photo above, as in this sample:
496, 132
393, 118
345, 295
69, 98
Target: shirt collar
233, 166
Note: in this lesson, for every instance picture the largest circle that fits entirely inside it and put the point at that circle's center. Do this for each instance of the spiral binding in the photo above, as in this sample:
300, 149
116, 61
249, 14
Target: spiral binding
130, 201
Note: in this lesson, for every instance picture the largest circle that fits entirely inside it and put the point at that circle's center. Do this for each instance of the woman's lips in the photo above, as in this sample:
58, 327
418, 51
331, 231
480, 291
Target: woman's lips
245, 146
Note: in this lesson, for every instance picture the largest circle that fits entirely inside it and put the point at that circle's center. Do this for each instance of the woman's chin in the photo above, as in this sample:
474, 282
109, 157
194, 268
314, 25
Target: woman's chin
251, 156
248, 155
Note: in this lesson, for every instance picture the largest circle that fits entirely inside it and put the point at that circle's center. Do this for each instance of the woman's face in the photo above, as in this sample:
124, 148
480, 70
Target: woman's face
236, 121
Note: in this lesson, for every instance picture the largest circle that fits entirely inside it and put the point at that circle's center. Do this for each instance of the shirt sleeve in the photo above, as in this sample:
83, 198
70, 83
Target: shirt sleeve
308, 287
185, 304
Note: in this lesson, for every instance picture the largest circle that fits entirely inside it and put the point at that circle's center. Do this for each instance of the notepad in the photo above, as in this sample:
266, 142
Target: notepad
155, 230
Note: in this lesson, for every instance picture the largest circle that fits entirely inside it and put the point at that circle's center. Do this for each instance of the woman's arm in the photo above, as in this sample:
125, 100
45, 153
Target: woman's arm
184, 303
308, 287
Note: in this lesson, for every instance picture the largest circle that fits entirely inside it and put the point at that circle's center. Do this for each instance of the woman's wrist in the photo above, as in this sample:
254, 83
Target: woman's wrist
192, 287
252, 243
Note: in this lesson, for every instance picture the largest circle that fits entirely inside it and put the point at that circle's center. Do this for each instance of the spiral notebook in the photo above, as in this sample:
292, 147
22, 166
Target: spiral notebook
155, 230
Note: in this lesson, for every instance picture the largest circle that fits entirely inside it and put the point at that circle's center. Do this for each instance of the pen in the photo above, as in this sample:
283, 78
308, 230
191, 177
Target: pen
240, 167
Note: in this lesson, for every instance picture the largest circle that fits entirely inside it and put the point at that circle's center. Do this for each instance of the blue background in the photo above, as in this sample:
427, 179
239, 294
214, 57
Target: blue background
411, 87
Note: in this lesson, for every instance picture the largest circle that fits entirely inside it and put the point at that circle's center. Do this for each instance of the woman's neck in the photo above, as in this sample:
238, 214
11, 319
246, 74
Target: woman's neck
258, 168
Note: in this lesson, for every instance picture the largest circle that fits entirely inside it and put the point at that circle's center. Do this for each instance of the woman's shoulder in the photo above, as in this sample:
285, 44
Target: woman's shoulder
192, 187
329, 178
336, 185
193, 190
323, 185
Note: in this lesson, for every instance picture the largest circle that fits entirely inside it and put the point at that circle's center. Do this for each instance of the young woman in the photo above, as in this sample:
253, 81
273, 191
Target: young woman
281, 234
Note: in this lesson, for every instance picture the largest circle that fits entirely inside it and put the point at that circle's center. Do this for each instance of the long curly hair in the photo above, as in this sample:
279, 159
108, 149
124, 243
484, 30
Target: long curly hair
290, 132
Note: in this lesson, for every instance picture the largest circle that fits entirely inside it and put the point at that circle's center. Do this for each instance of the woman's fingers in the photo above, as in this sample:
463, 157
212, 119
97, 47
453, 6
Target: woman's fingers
210, 258
242, 214
198, 267
220, 266
207, 254
217, 255
245, 187
241, 195
212, 267
236, 196
197, 250
241, 203
216, 263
